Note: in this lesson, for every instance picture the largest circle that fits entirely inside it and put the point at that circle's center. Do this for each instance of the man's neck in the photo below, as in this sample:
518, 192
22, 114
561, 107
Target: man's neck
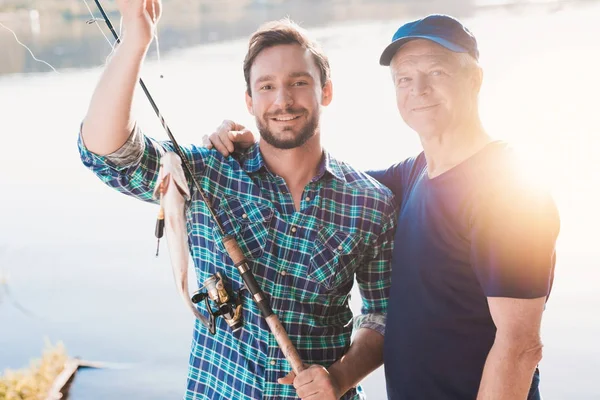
296, 166
445, 151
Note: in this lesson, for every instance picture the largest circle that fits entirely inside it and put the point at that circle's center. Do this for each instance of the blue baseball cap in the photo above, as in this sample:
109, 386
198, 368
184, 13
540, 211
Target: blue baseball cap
441, 29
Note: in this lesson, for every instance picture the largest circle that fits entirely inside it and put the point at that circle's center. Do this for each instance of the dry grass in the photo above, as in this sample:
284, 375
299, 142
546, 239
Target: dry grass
33, 383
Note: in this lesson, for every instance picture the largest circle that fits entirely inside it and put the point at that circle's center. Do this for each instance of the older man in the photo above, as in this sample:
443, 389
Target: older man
474, 251
475, 247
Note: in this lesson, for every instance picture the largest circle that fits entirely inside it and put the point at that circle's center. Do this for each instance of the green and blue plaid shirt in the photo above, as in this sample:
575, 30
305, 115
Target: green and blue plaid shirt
305, 260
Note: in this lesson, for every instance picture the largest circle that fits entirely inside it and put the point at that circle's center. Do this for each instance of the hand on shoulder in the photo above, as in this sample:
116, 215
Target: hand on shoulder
228, 138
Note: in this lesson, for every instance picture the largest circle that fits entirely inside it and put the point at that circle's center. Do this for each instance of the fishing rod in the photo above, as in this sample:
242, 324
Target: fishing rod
229, 242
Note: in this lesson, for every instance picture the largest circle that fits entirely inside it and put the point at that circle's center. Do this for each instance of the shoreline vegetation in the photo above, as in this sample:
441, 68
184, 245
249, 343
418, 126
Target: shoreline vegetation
36, 381
25, 15
56, 30
68, 9
73, 10
35, 17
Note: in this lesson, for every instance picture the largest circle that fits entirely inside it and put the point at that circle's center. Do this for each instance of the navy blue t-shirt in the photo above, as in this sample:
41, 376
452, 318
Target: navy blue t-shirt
479, 230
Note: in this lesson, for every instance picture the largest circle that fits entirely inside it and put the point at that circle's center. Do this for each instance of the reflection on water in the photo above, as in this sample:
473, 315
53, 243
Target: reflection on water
73, 43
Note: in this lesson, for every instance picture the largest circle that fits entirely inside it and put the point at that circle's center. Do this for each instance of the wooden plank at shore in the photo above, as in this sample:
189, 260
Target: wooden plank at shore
60, 386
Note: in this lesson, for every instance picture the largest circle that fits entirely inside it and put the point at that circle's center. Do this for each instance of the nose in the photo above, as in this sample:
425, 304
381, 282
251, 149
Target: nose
420, 86
284, 98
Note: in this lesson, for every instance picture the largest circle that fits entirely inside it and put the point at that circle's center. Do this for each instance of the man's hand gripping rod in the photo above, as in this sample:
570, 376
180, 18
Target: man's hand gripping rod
229, 242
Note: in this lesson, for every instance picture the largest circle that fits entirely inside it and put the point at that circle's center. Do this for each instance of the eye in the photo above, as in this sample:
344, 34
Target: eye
300, 83
403, 81
436, 72
266, 87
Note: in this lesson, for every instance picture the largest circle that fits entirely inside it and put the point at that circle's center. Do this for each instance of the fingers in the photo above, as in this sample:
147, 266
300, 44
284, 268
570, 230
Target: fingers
227, 135
218, 144
311, 384
206, 142
242, 138
226, 142
153, 8
312, 396
230, 125
227, 125
137, 8
288, 379
308, 375
314, 382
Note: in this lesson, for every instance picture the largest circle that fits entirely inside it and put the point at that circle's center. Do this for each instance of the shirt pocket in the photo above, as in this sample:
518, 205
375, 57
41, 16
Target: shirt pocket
335, 255
248, 221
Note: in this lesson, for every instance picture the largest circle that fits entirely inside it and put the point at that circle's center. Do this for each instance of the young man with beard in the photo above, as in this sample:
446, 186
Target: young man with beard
474, 250
308, 223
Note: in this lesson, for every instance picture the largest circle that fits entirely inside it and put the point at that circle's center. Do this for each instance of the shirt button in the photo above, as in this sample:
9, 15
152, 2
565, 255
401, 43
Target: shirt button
283, 273
307, 198
244, 215
340, 247
294, 229
273, 362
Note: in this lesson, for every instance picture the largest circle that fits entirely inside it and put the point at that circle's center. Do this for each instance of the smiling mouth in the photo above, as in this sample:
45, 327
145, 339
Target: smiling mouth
425, 108
286, 118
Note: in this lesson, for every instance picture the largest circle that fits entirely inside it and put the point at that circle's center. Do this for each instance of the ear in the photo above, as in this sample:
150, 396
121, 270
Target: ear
327, 93
249, 103
477, 79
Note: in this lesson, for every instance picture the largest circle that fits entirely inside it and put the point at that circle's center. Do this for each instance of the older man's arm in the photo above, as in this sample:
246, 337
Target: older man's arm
513, 252
517, 349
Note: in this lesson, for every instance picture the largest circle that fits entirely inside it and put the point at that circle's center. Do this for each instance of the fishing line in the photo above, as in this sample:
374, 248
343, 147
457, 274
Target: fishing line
158, 53
156, 42
27, 48
6, 291
94, 20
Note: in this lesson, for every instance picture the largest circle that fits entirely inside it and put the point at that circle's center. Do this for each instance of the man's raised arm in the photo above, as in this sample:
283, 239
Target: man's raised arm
109, 120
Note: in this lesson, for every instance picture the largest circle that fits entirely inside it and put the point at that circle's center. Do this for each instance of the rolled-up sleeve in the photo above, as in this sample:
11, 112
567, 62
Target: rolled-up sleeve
131, 152
374, 276
133, 169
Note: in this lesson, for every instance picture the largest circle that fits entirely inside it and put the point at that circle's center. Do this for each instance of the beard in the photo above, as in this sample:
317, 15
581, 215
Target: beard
306, 132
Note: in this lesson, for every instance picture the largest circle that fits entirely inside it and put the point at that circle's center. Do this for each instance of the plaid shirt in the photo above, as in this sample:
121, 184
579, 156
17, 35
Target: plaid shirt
306, 261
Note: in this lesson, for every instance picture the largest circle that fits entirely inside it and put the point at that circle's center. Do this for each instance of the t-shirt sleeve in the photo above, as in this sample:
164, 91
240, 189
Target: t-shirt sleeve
390, 177
513, 236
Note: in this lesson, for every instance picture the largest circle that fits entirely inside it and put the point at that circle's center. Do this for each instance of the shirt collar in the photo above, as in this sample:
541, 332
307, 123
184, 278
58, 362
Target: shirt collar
330, 165
253, 161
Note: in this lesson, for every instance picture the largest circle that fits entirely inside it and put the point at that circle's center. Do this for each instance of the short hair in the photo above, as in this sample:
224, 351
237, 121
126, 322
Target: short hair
280, 32
467, 61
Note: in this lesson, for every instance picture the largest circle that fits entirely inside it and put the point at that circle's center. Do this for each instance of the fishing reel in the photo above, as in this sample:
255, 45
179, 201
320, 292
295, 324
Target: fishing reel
228, 307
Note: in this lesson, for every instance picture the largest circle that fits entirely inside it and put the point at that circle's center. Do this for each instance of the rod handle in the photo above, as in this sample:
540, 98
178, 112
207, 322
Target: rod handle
233, 249
285, 344
283, 340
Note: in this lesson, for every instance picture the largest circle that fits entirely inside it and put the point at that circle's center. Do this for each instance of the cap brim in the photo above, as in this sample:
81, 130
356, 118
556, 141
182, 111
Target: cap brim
392, 48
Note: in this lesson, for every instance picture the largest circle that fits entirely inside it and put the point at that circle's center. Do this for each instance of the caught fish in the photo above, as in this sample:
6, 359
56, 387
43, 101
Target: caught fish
173, 191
